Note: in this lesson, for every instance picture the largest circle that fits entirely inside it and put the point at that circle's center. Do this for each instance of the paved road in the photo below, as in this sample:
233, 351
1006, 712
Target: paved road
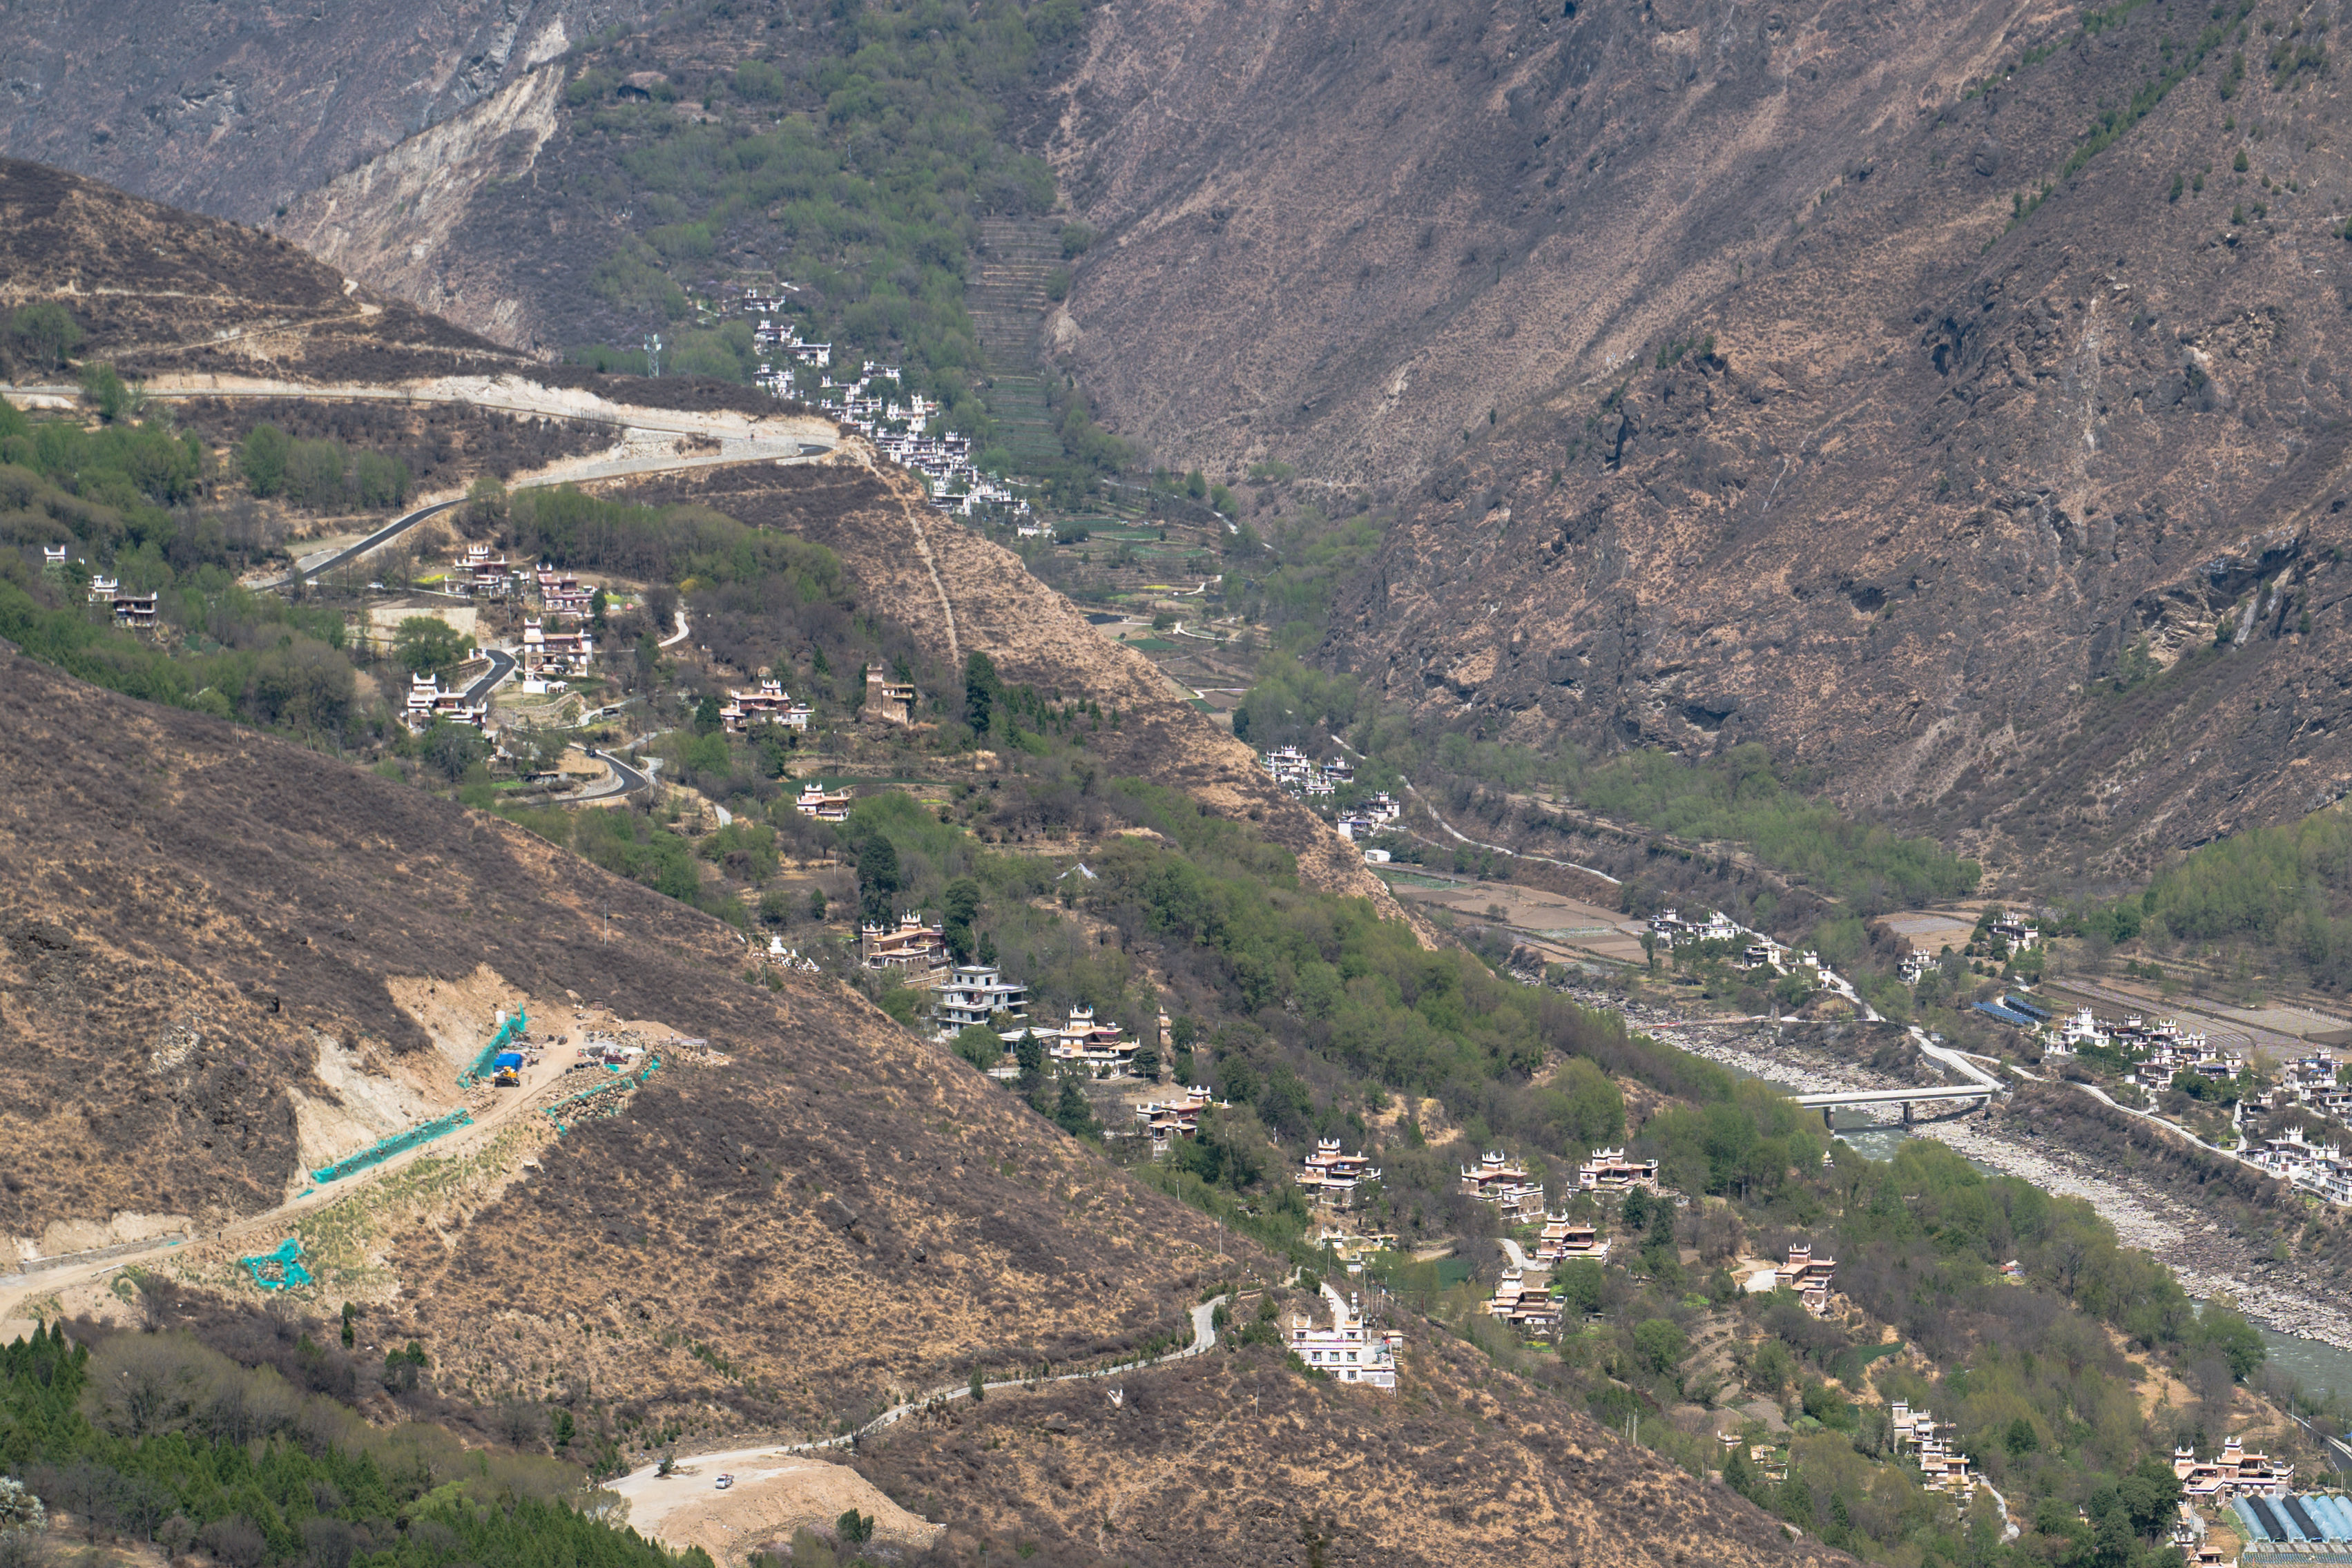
640, 1482
625, 780
502, 665
382, 537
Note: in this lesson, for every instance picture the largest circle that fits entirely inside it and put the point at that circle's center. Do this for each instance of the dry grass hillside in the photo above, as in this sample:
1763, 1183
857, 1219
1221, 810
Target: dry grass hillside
198, 915
1235, 1458
164, 293
960, 593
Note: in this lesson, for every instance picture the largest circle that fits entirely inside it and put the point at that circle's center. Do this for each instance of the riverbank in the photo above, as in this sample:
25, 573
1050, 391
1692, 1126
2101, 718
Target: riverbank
2205, 1257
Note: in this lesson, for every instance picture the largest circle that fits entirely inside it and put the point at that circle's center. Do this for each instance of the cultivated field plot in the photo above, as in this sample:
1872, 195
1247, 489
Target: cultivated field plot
1567, 926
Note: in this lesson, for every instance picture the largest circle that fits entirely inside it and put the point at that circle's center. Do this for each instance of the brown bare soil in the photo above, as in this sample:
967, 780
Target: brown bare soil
158, 291
1235, 1458
960, 593
839, 1211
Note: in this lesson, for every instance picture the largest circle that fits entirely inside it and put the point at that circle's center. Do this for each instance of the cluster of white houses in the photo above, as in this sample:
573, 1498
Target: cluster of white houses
1676, 932
1294, 771
2323, 1169
874, 404
2158, 1050
1379, 812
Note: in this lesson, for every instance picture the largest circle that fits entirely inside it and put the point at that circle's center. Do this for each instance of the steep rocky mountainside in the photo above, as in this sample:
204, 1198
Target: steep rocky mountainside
960, 595
2019, 514
235, 108
204, 925
1343, 234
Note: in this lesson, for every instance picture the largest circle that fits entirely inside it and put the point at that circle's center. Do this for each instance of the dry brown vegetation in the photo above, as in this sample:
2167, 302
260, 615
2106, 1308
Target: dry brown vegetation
159, 292
841, 1209
1236, 1459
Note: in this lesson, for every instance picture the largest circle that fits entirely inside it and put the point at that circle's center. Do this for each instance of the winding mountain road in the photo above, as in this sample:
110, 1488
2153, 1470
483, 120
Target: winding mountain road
641, 1482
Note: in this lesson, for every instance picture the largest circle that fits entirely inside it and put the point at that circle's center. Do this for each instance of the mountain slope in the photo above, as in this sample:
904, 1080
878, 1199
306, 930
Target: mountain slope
184, 301
232, 109
1341, 235
2020, 517
210, 930
960, 595
1235, 1460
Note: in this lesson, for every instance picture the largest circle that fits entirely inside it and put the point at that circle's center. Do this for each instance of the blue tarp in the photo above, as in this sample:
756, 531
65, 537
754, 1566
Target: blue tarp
2333, 1520
513, 1029
507, 1059
1994, 1009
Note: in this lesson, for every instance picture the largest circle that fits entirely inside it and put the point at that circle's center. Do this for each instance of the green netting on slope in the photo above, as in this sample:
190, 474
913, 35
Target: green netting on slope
277, 1268
594, 1104
376, 1153
513, 1029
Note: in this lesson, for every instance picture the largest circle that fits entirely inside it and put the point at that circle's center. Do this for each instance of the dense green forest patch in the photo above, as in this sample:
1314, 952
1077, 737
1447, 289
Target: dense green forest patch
156, 1439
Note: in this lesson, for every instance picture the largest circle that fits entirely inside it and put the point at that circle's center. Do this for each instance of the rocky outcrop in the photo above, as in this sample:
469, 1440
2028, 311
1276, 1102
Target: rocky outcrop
235, 109
392, 219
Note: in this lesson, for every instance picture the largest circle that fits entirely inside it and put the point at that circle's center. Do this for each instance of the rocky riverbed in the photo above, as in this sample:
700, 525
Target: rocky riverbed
2207, 1261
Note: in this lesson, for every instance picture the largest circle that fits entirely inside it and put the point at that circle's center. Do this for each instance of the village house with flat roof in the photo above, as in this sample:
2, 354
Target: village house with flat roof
1564, 1240
1609, 1171
1332, 1178
1348, 1349
917, 951
1103, 1048
1164, 1121
482, 573
561, 593
559, 654
2230, 1473
1504, 1182
824, 805
974, 994
889, 700
429, 703
768, 703
1526, 1307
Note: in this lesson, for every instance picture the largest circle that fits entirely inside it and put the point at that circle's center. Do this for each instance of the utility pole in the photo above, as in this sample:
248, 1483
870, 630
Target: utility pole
653, 353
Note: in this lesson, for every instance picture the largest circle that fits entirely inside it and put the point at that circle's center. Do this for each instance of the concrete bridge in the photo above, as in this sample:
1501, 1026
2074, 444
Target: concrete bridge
1965, 1099
1977, 1090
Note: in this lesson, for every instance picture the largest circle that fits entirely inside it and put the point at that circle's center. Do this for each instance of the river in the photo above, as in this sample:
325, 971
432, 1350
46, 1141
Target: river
2309, 1336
